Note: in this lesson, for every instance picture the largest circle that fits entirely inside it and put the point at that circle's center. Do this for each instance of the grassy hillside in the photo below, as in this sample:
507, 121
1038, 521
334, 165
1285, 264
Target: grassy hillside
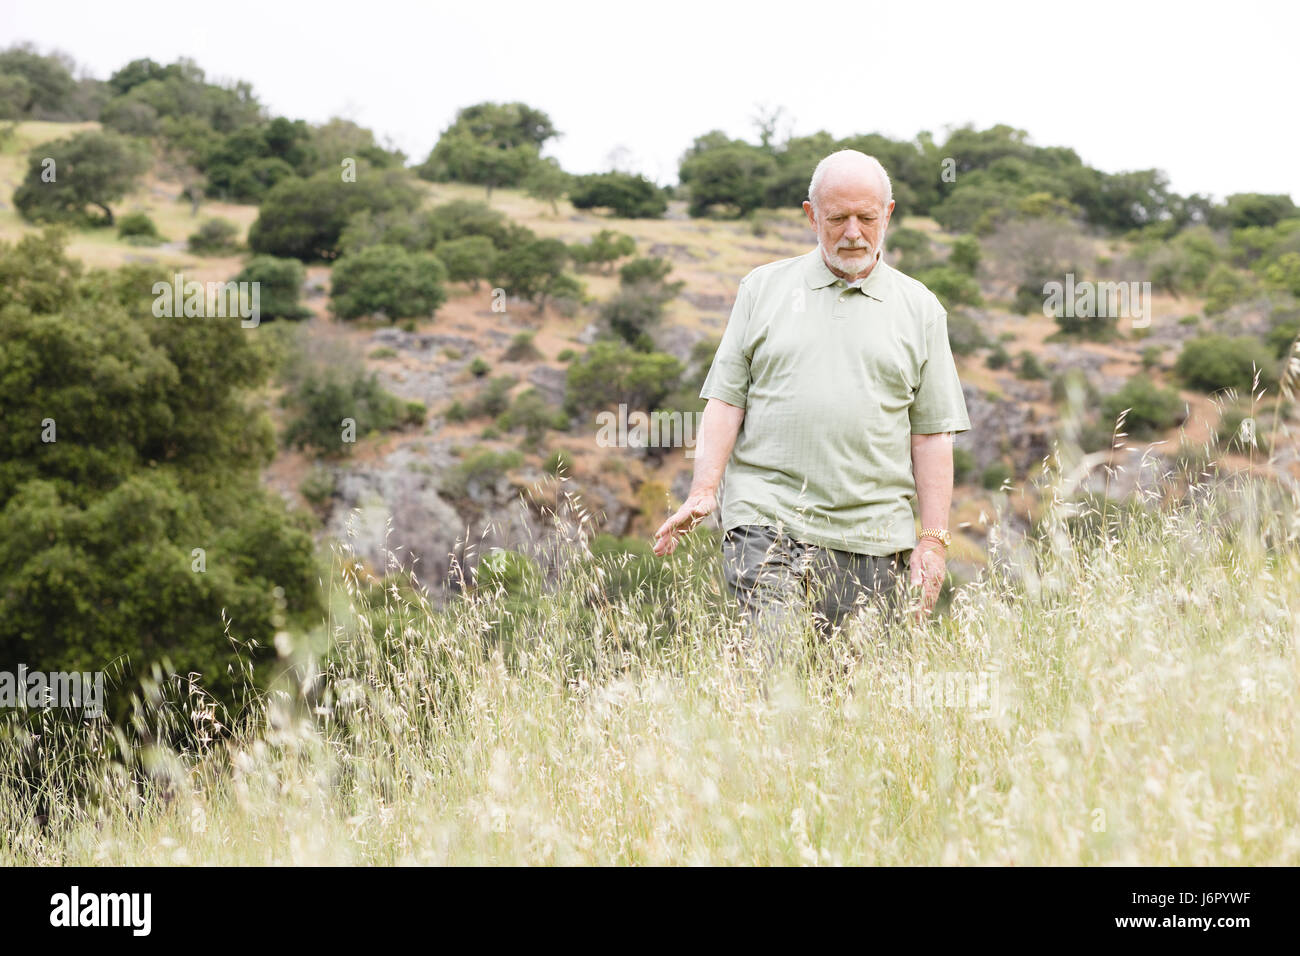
1119, 697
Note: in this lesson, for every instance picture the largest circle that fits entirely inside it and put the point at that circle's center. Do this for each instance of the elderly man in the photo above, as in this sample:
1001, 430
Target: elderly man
831, 404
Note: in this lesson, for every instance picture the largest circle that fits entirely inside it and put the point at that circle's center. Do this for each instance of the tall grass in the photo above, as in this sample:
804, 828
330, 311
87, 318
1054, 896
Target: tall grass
1140, 663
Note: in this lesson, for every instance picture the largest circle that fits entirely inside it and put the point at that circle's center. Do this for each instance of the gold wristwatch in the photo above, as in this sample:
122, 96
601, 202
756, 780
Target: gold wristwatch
942, 535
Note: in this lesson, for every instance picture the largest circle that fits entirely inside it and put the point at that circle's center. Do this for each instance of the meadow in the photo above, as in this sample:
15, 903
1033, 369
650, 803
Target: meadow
1139, 666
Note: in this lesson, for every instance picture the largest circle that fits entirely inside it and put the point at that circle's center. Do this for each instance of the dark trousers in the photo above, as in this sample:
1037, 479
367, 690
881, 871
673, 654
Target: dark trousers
779, 581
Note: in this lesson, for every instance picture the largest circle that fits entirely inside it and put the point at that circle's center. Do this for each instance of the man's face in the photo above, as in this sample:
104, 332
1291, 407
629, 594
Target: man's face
850, 219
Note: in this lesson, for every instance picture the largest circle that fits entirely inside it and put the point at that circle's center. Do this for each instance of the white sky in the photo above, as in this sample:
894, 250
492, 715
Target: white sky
1203, 91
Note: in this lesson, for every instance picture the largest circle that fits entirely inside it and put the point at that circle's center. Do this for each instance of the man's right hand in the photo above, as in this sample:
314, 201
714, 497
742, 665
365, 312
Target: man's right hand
695, 509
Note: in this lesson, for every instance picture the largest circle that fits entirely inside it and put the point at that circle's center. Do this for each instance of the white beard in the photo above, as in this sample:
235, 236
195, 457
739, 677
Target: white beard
852, 269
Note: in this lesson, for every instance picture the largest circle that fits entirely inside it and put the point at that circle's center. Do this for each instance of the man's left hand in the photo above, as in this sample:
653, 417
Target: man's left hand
929, 564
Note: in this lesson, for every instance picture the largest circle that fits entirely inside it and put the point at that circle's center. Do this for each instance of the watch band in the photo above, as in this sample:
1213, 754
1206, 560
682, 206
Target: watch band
942, 535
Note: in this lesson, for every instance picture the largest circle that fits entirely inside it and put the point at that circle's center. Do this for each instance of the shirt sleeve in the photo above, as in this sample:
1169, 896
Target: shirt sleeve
728, 378
939, 405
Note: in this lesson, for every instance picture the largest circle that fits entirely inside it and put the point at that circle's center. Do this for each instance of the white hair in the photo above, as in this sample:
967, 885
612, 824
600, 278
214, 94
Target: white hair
848, 156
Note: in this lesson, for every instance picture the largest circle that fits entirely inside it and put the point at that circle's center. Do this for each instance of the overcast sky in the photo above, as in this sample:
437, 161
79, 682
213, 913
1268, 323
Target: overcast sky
1205, 92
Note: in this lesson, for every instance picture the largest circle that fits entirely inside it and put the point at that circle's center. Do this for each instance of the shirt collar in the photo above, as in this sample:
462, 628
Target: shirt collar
818, 275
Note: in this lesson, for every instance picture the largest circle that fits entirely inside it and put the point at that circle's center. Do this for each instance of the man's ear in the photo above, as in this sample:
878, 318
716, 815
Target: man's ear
808, 211
889, 213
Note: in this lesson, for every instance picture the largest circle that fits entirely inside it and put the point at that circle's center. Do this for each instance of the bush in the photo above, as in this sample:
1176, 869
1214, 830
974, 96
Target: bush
138, 225
627, 195
305, 218
388, 280
531, 412
1151, 356
566, 355
215, 237
319, 486
522, 349
1151, 409
1029, 367
468, 258
603, 248
963, 465
479, 472
993, 477
613, 372
279, 284
493, 399
478, 368
965, 255
998, 358
964, 333
952, 287
324, 399
913, 247
1214, 362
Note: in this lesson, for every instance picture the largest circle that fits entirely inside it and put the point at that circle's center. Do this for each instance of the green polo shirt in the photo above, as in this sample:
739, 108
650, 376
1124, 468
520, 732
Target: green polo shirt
834, 380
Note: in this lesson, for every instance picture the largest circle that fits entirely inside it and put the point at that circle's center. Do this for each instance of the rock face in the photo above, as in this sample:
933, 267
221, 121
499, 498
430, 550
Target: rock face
1007, 426
392, 514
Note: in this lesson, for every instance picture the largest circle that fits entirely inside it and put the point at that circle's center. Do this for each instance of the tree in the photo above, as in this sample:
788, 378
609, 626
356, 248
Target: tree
604, 247
45, 87
611, 373
468, 259
89, 169
626, 195
388, 280
304, 218
131, 510
548, 182
489, 144
734, 176
1242, 210
279, 286
528, 271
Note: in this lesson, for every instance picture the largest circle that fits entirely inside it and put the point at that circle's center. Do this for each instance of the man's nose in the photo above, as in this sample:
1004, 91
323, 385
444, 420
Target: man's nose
852, 231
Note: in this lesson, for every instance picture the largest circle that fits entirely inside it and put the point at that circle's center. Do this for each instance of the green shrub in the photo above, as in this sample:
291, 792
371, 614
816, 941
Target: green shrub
324, 399
280, 285
1151, 409
1151, 356
566, 355
522, 349
478, 471
627, 195
383, 352
613, 372
998, 358
138, 225
388, 280
215, 237
558, 463
965, 255
1214, 362
467, 258
964, 333
531, 412
456, 412
603, 248
1029, 367
963, 465
478, 368
319, 486
993, 477
953, 288
493, 399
